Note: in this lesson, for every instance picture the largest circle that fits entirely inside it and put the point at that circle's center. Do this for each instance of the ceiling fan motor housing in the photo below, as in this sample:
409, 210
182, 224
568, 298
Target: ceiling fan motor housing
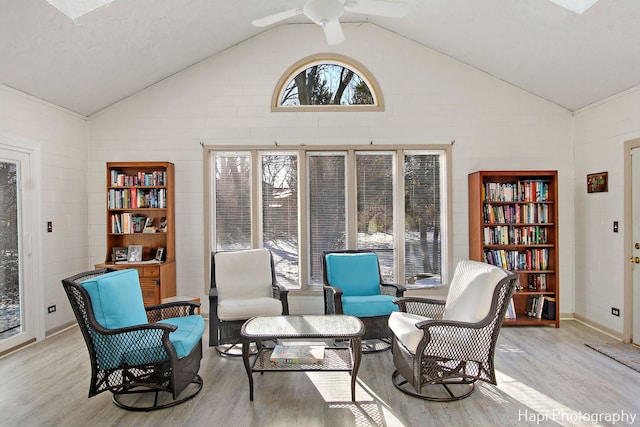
323, 11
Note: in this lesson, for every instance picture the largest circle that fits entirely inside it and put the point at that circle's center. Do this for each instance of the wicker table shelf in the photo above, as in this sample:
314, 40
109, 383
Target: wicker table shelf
335, 327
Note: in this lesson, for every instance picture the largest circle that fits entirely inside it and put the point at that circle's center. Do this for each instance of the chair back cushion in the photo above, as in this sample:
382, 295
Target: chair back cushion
356, 274
243, 274
471, 291
116, 299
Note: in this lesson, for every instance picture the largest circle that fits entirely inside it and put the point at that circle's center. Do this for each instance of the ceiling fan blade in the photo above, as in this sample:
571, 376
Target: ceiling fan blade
333, 32
276, 17
391, 8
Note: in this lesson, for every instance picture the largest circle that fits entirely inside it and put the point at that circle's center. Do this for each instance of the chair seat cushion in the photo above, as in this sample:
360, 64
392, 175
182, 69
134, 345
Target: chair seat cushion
245, 308
188, 334
403, 326
369, 305
148, 349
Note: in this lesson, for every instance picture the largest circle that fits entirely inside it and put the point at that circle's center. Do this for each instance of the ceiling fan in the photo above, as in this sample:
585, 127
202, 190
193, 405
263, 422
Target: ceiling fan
327, 12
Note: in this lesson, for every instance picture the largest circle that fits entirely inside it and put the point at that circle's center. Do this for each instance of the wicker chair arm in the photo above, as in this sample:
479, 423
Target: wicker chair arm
281, 293
165, 327
332, 299
394, 289
427, 307
444, 324
451, 339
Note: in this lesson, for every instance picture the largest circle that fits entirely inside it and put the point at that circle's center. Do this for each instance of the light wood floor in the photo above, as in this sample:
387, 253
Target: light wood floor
547, 376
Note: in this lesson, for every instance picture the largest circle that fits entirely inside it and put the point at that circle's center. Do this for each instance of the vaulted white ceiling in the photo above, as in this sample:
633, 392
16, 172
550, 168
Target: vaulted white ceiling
570, 59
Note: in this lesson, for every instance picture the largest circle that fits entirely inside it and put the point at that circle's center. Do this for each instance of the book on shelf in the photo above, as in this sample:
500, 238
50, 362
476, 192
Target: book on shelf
284, 355
511, 311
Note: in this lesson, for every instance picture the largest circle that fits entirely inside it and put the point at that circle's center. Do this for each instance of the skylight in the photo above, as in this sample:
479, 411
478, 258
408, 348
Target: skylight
577, 6
76, 8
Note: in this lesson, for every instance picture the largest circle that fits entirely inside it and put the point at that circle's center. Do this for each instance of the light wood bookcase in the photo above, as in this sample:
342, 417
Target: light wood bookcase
137, 190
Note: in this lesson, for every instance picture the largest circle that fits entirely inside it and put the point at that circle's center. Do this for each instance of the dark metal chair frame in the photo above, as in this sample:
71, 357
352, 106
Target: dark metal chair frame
377, 335
225, 334
172, 375
451, 368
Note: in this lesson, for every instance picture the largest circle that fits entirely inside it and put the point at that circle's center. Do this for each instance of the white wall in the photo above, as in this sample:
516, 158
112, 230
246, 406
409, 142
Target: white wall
599, 135
429, 98
59, 139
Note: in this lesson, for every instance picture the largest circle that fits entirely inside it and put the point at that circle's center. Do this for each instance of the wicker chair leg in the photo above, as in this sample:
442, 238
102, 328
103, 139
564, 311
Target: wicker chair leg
376, 345
191, 392
461, 389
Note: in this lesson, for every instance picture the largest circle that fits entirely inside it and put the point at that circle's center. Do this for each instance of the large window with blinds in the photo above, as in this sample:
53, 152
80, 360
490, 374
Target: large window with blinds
300, 203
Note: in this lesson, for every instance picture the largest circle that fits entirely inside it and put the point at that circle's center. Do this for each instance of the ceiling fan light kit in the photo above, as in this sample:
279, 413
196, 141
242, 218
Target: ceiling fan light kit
327, 13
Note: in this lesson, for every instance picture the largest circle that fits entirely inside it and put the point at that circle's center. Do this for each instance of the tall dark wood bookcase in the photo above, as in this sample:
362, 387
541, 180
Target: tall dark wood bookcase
136, 191
513, 223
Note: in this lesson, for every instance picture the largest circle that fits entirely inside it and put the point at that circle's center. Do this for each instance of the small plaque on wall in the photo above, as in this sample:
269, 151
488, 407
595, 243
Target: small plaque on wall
597, 182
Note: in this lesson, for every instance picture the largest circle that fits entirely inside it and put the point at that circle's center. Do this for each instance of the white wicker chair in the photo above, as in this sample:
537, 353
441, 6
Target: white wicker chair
243, 285
450, 344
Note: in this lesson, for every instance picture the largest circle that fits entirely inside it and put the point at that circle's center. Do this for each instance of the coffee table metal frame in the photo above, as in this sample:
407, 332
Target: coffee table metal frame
301, 327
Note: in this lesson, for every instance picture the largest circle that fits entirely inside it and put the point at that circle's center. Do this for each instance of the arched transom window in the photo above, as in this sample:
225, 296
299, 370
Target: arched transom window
327, 82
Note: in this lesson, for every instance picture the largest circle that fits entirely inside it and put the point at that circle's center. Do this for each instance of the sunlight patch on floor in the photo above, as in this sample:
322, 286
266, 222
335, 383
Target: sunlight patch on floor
367, 410
543, 408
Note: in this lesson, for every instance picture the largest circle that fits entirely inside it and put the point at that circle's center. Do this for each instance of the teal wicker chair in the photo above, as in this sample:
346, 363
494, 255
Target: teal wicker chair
353, 285
135, 351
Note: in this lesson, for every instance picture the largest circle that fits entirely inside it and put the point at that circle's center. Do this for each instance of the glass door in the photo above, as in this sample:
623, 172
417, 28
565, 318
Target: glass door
16, 327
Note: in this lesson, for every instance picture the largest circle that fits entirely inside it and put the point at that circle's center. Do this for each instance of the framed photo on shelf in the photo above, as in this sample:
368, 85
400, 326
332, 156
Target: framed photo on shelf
162, 226
160, 254
119, 253
134, 253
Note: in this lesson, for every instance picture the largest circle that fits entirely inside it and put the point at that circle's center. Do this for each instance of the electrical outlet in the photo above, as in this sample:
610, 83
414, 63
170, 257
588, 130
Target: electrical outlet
615, 226
615, 311
51, 309
49, 226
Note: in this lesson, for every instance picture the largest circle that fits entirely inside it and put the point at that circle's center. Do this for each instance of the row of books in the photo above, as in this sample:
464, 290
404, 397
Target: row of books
287, 355
541, 307
520, 191
135, 198
126, 223
516, 214
140, 179
530, 259
509, 235
537, 282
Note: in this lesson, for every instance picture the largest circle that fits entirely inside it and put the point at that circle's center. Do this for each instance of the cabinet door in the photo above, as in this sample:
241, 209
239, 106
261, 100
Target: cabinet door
150, 290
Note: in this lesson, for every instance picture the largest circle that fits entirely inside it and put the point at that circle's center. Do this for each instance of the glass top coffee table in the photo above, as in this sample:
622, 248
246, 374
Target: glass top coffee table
329, 327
